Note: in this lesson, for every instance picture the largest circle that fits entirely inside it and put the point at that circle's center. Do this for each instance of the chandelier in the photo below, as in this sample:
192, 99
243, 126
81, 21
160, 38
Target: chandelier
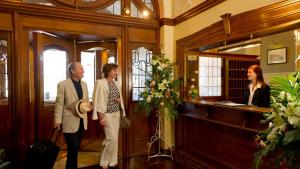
3, 51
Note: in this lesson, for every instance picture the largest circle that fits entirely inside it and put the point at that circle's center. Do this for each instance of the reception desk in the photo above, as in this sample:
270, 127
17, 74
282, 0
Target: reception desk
217, 135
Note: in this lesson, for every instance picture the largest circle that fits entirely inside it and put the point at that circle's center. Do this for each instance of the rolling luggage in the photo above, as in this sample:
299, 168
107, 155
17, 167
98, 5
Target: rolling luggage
42, 155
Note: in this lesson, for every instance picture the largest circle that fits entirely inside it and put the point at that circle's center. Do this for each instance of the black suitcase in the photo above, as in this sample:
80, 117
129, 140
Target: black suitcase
42, 155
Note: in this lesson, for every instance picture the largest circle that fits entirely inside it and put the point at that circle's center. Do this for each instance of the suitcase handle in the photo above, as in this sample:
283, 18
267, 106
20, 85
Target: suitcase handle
55, 130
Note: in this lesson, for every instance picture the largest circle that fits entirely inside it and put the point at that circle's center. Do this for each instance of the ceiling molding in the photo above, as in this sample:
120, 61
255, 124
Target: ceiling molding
166, 21
191, 13
196, 10
278, 17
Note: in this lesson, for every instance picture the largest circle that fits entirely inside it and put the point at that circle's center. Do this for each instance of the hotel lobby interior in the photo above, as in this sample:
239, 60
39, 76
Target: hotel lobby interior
185, 77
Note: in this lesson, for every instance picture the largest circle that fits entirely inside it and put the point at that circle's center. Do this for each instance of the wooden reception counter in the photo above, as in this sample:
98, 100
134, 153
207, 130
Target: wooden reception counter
217, 135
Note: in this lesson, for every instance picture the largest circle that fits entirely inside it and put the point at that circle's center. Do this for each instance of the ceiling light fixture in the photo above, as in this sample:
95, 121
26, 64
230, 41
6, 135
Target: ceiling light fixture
240, 46
127, 11
145, 13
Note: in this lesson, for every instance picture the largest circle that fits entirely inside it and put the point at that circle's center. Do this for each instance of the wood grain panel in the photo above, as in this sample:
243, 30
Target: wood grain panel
211, 135
70, 26
142, 35
6, 22
75, 15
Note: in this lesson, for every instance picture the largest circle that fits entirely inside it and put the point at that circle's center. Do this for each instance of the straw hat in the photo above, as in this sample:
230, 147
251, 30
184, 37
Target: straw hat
82, 107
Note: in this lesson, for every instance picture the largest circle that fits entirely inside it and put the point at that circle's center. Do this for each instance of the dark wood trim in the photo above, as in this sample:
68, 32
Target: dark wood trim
196, 10
263, 21
223, 55
275, 18
190, 13
166, 21
75, 15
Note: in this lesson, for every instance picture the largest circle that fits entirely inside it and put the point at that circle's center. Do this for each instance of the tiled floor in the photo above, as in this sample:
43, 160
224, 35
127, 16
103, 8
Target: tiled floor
90, 160
84, 159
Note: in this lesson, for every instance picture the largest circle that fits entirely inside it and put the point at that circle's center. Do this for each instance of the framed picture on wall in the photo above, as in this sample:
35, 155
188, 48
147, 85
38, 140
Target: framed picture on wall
277, 56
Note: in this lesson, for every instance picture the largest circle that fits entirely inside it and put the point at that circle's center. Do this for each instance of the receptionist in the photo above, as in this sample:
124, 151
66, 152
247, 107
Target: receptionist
258, 92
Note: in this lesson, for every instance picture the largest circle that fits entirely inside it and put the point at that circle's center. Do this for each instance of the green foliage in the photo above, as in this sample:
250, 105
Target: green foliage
161, 90
283, 134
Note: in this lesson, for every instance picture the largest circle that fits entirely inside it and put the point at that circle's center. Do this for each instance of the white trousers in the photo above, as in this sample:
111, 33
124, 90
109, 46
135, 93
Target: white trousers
109, 155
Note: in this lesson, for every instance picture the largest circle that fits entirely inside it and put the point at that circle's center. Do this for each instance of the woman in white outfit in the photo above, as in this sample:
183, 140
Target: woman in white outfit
107, 104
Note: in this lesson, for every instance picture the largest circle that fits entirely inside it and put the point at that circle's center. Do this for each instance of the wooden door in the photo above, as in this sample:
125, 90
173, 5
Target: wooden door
92, 56
51, 57
141, 126
6, 114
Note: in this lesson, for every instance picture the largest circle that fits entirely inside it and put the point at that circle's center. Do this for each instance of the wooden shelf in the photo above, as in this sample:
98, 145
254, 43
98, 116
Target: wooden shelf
237, 80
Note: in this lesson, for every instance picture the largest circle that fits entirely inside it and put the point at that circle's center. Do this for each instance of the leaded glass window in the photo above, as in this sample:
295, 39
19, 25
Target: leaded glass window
3, 69
114, 8
141, 70
210, 77
148, 3
135, 12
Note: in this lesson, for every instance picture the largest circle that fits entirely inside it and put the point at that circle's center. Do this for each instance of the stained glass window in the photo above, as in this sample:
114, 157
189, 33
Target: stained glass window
141, 70
3, 69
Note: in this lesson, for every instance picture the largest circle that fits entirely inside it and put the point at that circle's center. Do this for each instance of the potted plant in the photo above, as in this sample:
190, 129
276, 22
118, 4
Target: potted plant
281, 139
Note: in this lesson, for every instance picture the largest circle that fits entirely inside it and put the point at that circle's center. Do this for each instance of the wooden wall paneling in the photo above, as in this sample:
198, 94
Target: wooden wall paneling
70, 26
6, 105
24, 116
6, 114
121, 55
210, 135
6, 21
142, 35
28, 17
76, 15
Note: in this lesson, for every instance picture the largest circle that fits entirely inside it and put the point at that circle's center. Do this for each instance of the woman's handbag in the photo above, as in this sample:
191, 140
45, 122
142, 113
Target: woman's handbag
124, 121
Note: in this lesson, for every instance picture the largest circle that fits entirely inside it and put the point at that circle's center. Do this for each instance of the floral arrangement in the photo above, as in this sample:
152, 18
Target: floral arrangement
161, 89
282, 138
